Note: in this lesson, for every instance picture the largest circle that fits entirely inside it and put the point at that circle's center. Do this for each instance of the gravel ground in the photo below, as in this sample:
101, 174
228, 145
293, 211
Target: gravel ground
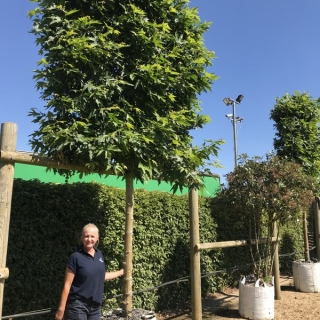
293, 305
137, 314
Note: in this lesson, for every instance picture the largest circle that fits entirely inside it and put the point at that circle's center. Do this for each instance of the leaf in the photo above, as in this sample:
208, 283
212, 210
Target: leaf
68, 13
42, 61
172, 97
55, 19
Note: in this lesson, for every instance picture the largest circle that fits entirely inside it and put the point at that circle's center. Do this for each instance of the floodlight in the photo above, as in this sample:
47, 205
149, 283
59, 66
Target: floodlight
227, 101
235, 120
240, 97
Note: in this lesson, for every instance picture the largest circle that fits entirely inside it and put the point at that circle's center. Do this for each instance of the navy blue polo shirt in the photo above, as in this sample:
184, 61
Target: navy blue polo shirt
89, 275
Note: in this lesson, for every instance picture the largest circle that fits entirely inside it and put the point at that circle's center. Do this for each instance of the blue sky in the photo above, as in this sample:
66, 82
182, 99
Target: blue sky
264, 49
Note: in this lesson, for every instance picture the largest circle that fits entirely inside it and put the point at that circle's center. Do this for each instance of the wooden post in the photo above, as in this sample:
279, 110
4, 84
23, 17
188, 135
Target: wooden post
127, 284
305, 236
196, 303
35, 160
8, 140
233, 243
276, 272
316, 213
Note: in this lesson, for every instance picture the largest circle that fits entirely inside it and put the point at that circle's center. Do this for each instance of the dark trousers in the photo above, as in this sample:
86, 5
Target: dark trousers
82, 309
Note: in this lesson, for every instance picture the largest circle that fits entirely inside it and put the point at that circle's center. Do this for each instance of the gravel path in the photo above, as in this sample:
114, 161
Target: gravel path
293, 305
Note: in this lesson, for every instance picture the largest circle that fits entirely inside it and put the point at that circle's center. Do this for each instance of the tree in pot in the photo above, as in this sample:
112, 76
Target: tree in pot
265, 191
306, 272
297, 137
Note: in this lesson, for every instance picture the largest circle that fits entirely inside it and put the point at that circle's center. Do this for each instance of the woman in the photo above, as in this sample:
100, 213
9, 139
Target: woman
85, 274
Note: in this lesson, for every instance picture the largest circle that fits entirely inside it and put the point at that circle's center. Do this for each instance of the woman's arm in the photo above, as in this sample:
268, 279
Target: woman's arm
68, 278
114, 274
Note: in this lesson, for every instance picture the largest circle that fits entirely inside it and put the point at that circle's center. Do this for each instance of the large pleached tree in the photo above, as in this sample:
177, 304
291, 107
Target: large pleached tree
297, 137
120, 81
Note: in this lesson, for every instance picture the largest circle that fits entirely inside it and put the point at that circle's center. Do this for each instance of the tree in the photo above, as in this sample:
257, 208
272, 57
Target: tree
265, 191
120, 80
297, 120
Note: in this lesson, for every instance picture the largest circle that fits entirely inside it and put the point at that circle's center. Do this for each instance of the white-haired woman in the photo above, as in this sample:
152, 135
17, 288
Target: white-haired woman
85, 274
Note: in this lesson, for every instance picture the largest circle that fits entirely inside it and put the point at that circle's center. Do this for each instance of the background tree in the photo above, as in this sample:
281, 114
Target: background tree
264, 191
297, 120
120, 80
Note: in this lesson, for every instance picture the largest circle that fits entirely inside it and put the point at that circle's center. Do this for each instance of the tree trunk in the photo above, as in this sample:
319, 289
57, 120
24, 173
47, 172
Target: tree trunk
275, 263
127, 284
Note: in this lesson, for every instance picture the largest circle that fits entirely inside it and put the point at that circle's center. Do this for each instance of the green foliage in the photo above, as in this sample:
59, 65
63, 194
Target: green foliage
264, 191
297, 119
231, 227
291, 242
120, 80
46, 221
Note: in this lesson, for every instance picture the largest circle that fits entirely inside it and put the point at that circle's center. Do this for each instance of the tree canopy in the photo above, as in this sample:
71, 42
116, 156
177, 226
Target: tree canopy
265, 190
297, 119
120, 80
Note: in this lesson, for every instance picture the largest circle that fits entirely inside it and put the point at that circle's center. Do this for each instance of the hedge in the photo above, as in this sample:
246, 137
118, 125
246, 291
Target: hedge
46, 221
45, 227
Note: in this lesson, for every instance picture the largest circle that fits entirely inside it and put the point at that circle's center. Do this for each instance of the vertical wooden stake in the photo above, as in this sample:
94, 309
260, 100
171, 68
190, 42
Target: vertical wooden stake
127, 284
276, 272
305, 236
316, 212
8, 141
196, 303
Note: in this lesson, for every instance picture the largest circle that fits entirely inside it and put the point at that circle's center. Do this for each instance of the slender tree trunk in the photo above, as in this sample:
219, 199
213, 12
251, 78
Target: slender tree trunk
305, 234
275, 263
127, 285
268, 255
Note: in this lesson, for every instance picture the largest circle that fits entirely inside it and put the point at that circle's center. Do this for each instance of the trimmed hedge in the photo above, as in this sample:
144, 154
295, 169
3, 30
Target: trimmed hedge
46, 221
45, 227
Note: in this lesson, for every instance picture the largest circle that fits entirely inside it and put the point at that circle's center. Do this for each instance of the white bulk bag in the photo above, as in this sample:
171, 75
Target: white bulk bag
256, 302
306, 276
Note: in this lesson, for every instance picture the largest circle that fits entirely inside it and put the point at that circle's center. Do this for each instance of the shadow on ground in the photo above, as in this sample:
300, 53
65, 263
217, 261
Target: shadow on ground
218, 305
225, 305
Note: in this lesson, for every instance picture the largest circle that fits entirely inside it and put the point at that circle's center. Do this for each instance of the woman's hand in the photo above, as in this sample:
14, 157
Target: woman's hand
59, 314
113, 275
